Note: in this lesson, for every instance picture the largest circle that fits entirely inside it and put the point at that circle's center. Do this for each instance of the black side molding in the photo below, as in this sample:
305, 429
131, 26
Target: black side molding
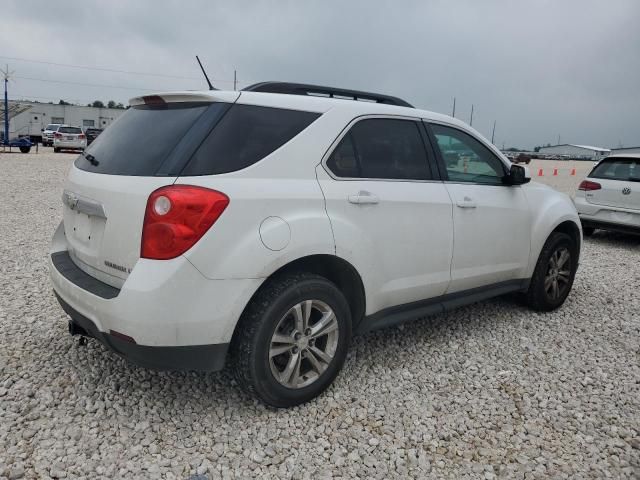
69, 270
393, 316
613, 227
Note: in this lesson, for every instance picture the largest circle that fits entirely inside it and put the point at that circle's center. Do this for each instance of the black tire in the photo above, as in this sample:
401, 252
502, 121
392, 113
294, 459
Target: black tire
538, 297
588, 231
56, 149
25, 149
249, 353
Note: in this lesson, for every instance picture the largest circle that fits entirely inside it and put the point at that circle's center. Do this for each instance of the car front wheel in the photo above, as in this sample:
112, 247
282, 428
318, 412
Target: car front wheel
554, 273
292, 340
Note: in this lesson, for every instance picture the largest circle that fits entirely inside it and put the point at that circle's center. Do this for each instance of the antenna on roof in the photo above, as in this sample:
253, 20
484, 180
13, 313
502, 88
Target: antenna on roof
211, 87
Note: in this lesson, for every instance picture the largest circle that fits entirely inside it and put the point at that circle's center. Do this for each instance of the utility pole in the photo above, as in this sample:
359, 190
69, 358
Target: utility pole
493, 133
235, 81
558, 140
6, 75
453, 113
471, 121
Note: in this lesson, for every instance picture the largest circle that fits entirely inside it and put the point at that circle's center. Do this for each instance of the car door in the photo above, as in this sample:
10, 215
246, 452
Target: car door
391, 217
492, 226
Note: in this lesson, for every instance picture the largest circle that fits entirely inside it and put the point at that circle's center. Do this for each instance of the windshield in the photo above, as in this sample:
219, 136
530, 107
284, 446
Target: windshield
618, 169
52, 126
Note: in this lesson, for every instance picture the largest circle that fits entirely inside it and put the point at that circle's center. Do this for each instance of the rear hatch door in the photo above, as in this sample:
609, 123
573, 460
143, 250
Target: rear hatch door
619, 178
106, 193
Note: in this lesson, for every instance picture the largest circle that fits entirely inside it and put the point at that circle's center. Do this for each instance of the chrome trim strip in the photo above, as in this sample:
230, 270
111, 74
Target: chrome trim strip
83, 204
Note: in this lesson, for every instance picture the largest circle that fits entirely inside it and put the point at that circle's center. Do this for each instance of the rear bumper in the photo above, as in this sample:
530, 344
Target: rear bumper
209, 358
606, 217
174, 315
63, 144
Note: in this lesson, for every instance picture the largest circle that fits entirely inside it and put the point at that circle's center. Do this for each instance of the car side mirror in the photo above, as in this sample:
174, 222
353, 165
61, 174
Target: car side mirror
518, 175
42, 129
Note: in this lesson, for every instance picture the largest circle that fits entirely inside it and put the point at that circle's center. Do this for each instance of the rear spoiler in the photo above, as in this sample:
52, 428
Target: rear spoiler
185, 97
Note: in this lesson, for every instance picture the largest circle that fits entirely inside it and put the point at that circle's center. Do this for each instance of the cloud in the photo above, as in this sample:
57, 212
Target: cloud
540, 69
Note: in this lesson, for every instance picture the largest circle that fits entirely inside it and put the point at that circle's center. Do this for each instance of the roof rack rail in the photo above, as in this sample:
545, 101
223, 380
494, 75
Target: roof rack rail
320, 91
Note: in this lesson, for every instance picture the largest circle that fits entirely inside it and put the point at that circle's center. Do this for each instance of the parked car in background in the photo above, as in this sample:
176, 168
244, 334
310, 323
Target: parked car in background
69, 138
92, 134
263, 228
609, 198
522, 158
47, 133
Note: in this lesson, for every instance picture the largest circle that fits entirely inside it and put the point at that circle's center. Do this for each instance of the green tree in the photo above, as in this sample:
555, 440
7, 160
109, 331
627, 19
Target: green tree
111, 104
97, 104
62, 102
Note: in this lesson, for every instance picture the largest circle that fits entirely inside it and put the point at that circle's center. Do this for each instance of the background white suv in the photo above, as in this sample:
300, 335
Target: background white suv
69, 138
47, 133
263, 228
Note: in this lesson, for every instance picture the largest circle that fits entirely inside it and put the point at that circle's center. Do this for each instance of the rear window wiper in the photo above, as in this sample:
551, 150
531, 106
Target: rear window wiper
92, 160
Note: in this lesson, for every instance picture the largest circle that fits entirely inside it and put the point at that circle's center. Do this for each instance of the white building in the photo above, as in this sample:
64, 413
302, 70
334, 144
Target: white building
585, 152
615, 151
28, 118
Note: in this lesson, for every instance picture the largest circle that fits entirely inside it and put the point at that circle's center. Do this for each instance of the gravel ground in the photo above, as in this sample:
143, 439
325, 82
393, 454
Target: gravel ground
489, 391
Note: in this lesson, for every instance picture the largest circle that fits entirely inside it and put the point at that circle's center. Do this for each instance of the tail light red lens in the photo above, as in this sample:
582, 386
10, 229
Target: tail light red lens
81, 136
177, 216
588, 185
57, 135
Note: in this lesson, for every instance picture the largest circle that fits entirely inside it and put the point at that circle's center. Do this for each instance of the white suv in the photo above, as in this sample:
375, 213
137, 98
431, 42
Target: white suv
69, 138
47, 133
264, 228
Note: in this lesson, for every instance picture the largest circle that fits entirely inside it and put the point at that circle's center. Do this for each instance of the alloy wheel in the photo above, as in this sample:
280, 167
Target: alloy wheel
303, 344
556, 281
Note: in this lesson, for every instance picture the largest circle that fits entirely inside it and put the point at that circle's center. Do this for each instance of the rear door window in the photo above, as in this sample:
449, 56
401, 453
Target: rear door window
382, 148
245, 135
139, 141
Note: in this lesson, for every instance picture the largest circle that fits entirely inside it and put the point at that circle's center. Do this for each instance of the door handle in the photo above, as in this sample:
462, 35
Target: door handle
363, 198
466, 202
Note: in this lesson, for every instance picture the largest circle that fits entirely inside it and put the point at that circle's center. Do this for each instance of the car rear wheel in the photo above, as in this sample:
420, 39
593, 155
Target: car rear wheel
554, 273
56, 149
292, 340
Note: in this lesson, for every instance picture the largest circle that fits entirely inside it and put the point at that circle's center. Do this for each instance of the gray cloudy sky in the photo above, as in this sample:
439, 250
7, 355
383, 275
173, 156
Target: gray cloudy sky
540, 68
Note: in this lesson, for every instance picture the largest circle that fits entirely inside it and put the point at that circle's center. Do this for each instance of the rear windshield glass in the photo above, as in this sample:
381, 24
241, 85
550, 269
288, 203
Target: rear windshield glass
618, 169
69, 130
52, 126
245, 135
140, 140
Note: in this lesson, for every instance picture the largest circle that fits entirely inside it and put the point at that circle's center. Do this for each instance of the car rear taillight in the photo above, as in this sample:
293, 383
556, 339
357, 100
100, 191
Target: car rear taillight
177, 217
57, 135
588, 185
81, 136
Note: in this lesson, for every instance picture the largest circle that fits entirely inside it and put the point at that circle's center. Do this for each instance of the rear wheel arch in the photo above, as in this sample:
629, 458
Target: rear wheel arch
333, 268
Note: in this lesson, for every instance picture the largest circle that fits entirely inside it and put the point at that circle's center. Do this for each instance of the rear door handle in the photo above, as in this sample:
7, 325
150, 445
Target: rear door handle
467, 202
363, 198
